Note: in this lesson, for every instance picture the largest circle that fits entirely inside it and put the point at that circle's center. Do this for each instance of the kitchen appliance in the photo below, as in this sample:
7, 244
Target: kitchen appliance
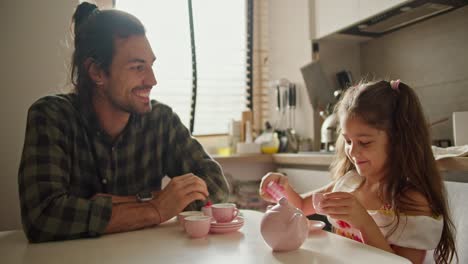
405, 14
328, 130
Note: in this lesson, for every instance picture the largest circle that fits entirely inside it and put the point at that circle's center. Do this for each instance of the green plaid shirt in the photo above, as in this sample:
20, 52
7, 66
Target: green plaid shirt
67, 159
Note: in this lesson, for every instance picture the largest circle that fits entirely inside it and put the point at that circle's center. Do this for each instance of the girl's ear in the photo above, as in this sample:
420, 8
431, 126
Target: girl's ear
94, 71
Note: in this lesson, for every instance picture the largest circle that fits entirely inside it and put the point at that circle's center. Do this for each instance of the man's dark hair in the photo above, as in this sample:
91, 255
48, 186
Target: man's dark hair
95, 34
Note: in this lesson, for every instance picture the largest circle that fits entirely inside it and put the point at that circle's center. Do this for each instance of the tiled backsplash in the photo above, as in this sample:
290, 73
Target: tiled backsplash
432, 57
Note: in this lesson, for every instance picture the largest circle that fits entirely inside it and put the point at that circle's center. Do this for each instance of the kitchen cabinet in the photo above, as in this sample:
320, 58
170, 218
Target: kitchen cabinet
333, 15
368, 8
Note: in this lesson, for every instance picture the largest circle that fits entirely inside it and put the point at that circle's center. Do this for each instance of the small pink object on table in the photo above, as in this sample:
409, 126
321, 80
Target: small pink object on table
284, 227
275, 190
197, 226
182, 215
316, 200
232, 226
224, 212
315, 225
207, 209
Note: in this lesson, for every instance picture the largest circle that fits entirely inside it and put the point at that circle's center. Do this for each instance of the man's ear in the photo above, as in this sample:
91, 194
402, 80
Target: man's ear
94, 71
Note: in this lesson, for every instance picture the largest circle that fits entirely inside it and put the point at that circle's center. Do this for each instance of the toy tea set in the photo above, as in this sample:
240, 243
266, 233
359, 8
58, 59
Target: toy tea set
283, 226
217, 218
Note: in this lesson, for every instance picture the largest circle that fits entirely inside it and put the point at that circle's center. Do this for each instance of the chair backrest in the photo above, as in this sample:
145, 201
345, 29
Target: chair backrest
457, 195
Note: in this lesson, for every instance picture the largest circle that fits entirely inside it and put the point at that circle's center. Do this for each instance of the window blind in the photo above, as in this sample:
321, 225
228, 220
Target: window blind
220, 46
171, 45
261, 107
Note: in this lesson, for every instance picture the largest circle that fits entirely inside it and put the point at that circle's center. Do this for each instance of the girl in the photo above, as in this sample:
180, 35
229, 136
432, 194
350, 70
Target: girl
387, 191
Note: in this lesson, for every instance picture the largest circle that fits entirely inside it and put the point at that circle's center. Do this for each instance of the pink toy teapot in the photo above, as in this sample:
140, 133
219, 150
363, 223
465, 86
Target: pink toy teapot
284, 227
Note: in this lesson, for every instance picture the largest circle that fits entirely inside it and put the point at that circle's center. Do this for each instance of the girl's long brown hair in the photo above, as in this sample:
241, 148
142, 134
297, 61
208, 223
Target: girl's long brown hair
412, 165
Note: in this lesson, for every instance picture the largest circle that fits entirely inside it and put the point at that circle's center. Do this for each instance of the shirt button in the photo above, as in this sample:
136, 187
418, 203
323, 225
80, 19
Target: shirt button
104, 181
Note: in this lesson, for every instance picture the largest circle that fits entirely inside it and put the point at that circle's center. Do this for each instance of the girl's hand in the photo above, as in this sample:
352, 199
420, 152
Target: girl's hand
344, 206
272, 176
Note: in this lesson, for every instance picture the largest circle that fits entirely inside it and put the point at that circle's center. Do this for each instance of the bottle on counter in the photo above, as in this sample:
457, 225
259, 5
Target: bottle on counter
268, 140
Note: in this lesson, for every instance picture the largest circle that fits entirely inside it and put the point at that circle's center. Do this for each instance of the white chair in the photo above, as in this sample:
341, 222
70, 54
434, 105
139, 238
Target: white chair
457, 195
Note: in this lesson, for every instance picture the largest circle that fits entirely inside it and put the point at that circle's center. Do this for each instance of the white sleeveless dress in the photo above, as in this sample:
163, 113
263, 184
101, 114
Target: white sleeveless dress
418, 232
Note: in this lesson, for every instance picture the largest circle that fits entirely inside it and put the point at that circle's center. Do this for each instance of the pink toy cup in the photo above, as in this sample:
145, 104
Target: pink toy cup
275, 190
197, 226
224, 212
316, 199
182, 215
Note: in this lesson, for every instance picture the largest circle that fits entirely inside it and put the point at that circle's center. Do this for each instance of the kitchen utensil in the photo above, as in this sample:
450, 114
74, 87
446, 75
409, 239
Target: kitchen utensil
293, 139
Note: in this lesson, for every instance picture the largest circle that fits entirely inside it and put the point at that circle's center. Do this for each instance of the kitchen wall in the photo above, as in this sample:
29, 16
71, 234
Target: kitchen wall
289, 50
34, 49
432, 57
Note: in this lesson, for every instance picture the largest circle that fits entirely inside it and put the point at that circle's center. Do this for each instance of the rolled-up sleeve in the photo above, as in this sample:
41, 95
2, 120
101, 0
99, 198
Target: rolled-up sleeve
188, 156
48, 210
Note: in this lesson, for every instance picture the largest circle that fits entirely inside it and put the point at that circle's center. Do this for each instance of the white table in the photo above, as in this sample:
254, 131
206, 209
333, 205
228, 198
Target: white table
168, 243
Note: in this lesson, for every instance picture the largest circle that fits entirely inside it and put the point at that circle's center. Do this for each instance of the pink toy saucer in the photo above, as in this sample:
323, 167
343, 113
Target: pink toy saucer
315, 225
222, 230
236, 222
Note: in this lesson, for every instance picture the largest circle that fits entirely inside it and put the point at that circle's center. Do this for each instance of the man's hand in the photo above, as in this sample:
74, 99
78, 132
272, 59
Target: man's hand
180, 192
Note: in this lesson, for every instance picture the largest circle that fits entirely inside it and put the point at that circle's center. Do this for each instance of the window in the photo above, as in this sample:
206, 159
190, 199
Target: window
220, 41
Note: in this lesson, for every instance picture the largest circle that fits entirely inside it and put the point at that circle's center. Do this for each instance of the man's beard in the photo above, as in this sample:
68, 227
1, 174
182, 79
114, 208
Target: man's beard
128, 108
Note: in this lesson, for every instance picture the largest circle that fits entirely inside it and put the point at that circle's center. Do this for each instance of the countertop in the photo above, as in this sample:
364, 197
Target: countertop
325, 159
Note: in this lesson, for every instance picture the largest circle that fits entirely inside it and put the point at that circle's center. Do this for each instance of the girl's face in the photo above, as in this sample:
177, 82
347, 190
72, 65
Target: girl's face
365, 146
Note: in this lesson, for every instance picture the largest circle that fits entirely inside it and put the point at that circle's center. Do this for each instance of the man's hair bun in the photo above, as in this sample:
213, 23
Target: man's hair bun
82, 12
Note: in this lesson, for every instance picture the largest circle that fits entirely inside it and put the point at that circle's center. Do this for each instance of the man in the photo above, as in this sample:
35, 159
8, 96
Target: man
93, 160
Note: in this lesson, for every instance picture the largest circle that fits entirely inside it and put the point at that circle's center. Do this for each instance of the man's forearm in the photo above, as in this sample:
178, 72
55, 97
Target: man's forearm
129, 214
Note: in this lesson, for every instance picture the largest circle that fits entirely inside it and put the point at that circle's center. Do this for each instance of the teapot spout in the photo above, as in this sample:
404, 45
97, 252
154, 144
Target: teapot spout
294, 220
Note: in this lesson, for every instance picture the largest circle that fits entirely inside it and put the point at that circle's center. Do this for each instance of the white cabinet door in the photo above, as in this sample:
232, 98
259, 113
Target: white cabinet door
368, 8
333, 15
